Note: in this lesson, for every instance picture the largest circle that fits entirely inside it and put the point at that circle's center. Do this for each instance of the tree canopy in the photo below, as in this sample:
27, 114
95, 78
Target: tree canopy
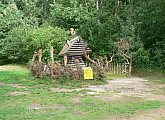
27, 25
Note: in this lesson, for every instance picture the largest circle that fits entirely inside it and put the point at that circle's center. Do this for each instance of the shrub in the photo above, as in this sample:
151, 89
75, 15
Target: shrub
21, 43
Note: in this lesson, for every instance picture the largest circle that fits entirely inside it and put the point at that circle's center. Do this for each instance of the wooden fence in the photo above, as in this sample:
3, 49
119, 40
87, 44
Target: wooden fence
119, 68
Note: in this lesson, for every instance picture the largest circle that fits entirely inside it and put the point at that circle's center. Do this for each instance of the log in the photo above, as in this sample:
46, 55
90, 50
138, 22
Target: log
89, 59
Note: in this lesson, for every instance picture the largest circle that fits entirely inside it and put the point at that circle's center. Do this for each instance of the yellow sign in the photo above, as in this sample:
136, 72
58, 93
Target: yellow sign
88, 73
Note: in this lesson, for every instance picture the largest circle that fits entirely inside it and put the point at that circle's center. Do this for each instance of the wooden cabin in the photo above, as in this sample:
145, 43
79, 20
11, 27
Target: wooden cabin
73, 52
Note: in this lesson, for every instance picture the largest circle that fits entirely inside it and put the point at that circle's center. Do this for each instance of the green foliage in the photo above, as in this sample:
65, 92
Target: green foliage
150, 27
100, 36
12, 33
69, 16
22, 42
14, 45
46, 37
140, 58
10, 17
141, 22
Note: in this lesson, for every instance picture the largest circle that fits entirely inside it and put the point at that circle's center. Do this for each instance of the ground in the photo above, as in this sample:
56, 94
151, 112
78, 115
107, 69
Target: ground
24, 97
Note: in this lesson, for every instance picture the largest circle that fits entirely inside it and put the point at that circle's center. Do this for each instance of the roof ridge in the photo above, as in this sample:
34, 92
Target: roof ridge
74, 39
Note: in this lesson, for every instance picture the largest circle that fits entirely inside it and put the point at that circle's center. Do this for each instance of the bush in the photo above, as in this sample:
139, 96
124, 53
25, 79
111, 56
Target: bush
21, 43
44, 38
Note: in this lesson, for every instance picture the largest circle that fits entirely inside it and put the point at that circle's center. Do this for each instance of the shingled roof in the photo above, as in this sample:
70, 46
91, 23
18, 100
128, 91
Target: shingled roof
74, 47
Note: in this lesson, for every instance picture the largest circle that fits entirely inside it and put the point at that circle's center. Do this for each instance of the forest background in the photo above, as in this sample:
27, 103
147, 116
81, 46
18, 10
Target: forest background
26, 25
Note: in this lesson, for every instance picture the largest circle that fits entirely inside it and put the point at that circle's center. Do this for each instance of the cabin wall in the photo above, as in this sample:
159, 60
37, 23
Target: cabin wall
72, 60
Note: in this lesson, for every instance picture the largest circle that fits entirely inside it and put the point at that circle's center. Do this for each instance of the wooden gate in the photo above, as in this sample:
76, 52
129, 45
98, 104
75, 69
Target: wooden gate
119, 68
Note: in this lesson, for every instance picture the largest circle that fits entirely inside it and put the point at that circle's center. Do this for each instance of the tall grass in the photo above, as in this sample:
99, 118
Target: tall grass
154, 75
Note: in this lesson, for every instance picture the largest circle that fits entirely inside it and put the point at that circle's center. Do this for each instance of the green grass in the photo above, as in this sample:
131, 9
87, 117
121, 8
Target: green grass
13, 67
109, 76
163, 90
159, 91
163, 118
156, 76
87, 108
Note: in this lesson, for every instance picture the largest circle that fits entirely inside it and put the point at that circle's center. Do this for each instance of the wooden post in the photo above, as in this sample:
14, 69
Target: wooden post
114, 68
109, 67
125, 68
51, 55
117, 68
33, 60
39, 55
76, 61
88, 64
65, 60
130, 67
121, 68
52, 62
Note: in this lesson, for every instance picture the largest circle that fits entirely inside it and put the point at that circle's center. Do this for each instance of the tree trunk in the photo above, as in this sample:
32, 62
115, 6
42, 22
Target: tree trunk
89, 59
117, 2
97, 5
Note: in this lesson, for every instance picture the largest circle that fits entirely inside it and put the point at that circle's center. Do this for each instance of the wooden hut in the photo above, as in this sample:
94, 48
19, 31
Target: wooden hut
73, 52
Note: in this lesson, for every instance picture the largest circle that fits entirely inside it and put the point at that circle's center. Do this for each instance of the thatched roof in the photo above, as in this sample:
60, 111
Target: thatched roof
74, 47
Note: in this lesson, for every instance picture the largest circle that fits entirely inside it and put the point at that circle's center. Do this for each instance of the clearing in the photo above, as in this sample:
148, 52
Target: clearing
24, 97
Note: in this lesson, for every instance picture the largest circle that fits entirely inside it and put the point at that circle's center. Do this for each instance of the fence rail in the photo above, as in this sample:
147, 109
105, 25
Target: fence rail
119, 68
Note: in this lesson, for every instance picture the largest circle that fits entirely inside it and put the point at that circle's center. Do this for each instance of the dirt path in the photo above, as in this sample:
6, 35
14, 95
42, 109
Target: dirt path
156, 114
136, 87
117, 89
14, 85
1, 68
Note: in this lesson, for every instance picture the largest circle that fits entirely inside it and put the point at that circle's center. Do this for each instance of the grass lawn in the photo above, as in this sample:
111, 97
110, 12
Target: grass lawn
36, 102
156, 76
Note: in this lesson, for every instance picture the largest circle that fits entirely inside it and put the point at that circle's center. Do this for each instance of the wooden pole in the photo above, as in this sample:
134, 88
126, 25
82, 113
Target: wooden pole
117, 68
52, 61
121, 68
130, 67
125, 68
33, 60
114, 68
39, 55
51, 55
65, 60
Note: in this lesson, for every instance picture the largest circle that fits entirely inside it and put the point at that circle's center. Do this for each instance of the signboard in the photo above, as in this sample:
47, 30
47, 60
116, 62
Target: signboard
88, 73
